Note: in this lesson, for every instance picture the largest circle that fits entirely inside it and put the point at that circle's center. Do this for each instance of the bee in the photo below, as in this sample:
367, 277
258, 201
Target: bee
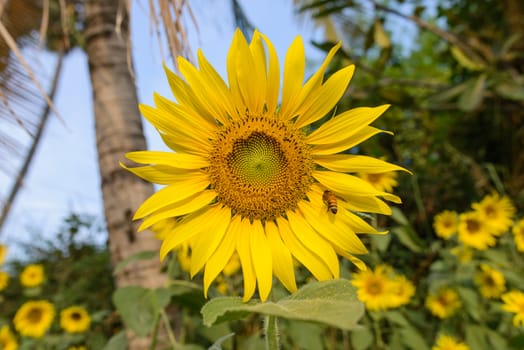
331, 201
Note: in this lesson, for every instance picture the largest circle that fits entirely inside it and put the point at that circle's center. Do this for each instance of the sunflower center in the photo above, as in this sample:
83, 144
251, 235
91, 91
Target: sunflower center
260, 167
472, 225
75, 316
34, 315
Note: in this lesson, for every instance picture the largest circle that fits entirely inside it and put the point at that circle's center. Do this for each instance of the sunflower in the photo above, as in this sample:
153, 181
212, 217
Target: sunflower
3, 253
32, 275
490, 281
401, 291
446, 223
374, 288
445, 342
463, 253
444, 303
518, 235
75, 319
34, 318
514, 302
7, 339
4, 279
381, 181
248, 175
496, 212
473, 232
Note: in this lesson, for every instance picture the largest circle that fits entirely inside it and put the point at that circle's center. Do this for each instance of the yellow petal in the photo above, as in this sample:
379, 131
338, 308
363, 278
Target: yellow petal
346, 142
350, 163
221, 257
324, 222
282, 259
187, 228
326, 97
180, 144
262, 260
206, 244
244, 253
273, 77
345, 184
183, 188
306, 257
313, 241
358, 224
294, 67
158, 174
186, 206
337, 128
367, 205
258, 53
175, 160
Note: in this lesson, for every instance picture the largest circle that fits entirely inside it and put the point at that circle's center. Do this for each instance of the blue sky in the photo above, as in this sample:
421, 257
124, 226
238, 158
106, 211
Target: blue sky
64, 175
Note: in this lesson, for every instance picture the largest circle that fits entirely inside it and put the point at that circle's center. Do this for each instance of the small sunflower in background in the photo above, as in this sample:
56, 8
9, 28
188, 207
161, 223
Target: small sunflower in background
444, 303
3, 253
75, 319
490, 281
34, 318
402, 291
518, 235
446, 342
77, 347
473, 231
248, 174
385, 181
7, 339
497, 212
463, 253
4, 280
445, 224
32, 276
514, 302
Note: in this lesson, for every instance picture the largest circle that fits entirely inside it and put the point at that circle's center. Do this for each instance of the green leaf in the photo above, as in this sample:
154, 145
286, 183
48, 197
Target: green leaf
476, 338
471, 302
117, 342
330, 302
217, 345
510, 90
408, 238
306, 336
381, 241
412, 339
497, 341
465, 61
517, 342
140, 307
396, 317
145, 255
362, 339
474, 94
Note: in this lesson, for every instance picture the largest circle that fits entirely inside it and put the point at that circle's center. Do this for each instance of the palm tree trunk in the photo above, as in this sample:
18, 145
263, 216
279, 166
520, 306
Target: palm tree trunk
119, 130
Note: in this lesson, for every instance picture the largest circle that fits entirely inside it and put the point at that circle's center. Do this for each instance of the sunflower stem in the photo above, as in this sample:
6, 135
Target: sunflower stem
170, 333
271, 332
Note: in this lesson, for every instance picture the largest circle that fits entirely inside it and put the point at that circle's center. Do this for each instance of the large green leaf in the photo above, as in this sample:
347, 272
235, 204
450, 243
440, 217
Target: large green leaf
331, 302
474, 94
140, 307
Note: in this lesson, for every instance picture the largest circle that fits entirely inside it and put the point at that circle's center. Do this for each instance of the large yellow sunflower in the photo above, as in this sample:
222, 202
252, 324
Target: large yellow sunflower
518, 235
490, 281
496, 212
444, 303
7, 339
75, 319
473, 231
248, 174
514, 302
34, 318
32, 275
446, 342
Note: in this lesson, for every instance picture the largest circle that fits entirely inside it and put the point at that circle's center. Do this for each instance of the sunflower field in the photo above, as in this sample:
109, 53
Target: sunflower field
371, 200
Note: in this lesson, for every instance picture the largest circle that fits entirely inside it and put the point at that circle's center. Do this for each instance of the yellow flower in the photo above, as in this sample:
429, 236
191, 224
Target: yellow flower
473, 232
4, 279
163, 228
401, 291
248, 174
514, 302
79, 347
75, 319
32, 276
381, 181
34, 318
496, 212
463, 253
374, 288
446, 224
3, 253
518, 235
7, 339
444, 303
490, 281
445, 342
